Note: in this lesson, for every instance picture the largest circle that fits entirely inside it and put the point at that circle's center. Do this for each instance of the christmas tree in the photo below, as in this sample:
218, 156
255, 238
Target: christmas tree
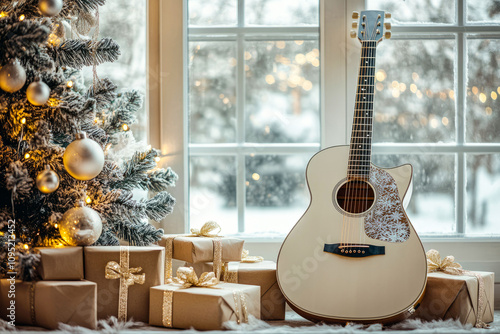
62, 143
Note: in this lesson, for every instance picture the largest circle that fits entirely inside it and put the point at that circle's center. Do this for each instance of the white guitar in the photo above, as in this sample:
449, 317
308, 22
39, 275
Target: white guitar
354, 255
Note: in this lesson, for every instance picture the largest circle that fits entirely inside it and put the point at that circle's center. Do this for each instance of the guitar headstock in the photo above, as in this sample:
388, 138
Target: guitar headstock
371, 25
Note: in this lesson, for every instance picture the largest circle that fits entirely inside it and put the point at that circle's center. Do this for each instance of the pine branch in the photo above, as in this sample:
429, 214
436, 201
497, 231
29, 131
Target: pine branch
105, 93
26, 266
88, 5
136, 233
160, 180
135, 171
161, 205
107, 238
78, 53
18, 180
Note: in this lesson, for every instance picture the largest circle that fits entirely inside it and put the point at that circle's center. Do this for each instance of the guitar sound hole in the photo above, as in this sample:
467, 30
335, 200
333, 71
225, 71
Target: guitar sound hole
355, 196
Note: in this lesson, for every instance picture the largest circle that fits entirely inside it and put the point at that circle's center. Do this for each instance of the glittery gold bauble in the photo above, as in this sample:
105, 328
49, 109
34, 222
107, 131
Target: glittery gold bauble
80, 226
12, 77
47, 181
83, 158
50, 7
38, 93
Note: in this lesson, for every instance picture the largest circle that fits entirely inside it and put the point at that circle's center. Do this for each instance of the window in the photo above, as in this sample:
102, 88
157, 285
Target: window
254, 111
437, 107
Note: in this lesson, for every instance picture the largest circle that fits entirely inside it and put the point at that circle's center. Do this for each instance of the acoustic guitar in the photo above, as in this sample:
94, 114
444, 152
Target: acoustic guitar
354, 256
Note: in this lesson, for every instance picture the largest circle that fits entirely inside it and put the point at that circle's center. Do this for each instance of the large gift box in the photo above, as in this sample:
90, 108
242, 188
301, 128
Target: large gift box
457, 297
64, 263
203, 308
124, 275
262, 274
48, 303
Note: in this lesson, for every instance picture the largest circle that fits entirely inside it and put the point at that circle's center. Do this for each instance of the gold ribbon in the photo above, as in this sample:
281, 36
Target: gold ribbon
205, 232
449, 266
186, 277
127, 277
246, 258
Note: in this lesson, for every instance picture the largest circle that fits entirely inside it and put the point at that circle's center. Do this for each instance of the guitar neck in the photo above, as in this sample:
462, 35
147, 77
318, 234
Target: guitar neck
362, 125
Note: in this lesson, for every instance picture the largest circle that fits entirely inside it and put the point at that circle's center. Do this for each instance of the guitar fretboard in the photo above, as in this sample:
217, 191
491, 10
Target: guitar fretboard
361, 136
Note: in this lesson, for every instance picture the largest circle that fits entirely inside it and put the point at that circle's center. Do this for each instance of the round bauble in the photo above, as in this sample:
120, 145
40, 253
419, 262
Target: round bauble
47, 181
80, 226
83, 158
38, 93
50, 7
12, 77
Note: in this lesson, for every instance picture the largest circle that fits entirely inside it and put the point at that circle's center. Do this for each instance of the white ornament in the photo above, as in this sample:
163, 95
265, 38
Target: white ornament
80, 226
47, 181
12, 77
83, 158
38, 93
50, 7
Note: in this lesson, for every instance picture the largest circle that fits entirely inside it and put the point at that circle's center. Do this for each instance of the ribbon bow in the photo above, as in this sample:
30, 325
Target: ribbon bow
246, 258
186, 277
206, 229
115, 271
447, 265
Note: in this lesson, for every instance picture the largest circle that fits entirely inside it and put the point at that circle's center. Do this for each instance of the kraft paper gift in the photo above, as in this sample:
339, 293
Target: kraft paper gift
124, 275
48, 303
456, 297
203, 308
262, 274
65, 263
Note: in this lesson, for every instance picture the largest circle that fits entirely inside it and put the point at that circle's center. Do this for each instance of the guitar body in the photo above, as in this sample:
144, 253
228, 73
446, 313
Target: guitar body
322, 283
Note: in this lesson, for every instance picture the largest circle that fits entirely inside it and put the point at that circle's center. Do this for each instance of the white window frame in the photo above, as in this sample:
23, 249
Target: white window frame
167, 100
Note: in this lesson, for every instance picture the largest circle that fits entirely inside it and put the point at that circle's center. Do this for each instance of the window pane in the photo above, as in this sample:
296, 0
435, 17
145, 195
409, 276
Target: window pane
212, 13
125, 23
483, 191
483, 88
276, 192
415, 97
424, 12
484, 11
282, 91
282, 13
212, 192
432, 206
212, 92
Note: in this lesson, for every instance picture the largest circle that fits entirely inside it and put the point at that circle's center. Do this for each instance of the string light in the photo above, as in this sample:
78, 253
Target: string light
88, 200
55, 225
149, 147
125, 127
27, 156
3, 14
256, 176
26, 246
23, 120
157, 159
21, 17
69, 84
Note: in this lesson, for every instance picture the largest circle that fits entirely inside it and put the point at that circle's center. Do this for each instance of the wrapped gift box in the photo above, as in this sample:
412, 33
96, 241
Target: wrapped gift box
201, 249
456, 297
202, 308
262, 274
48, 303
65, 263
145, 266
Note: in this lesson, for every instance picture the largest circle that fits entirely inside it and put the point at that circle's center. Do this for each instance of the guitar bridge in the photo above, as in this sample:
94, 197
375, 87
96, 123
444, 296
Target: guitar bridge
354, 250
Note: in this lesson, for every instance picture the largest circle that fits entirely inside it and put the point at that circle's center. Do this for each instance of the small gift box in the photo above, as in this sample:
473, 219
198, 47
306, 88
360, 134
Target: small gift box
206, 305
201, 246
124, 275
455, 293
48, 303
261, 273
65, 263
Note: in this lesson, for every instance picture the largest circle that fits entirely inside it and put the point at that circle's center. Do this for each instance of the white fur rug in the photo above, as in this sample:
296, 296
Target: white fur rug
293, 324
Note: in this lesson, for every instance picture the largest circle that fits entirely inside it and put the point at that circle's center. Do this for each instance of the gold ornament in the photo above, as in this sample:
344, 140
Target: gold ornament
12, 77
38, 93
83, 158
80, 226
47, 181
50, 7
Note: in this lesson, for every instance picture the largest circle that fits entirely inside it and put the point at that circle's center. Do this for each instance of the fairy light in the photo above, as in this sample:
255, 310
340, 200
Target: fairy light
88, 200
3, 14
27, 156
55, 225
23, 120
256, 176
21, 17
26, 246
157, 159
149, 147
69, 84
125, 127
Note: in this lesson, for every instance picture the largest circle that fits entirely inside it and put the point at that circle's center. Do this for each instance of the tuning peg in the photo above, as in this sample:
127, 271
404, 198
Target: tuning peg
355, 25
353, 34
387, 26
387, 15
387, 34
355, 15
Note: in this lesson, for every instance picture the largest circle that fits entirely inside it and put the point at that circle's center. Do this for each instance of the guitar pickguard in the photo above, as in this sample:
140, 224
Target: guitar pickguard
387, 221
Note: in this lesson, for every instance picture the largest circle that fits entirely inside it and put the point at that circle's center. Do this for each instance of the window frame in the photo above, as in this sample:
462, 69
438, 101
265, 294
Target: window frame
167, 98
